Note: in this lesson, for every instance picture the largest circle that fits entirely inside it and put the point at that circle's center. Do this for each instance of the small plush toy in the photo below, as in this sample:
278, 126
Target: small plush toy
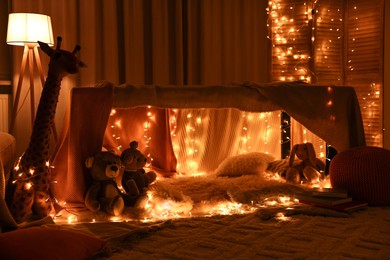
104, 194
135, 179
307, 168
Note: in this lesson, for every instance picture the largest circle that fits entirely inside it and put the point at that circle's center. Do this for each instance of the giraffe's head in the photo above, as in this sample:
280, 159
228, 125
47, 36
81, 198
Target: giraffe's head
62, 62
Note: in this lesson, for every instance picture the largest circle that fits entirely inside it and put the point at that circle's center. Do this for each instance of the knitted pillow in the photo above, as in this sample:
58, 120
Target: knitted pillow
364, 172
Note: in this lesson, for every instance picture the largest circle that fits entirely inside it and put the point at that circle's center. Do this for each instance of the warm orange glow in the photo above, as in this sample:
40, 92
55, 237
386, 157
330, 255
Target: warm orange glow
116, 219
157, 208
72, 219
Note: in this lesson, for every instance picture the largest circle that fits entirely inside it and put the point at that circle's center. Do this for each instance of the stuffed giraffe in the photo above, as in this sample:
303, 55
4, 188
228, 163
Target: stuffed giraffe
31, 176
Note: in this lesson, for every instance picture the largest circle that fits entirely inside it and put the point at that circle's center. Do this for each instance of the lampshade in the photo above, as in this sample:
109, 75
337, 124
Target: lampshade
24, 28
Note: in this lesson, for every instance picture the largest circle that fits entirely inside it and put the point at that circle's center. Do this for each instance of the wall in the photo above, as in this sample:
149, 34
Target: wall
5, 67
5, 70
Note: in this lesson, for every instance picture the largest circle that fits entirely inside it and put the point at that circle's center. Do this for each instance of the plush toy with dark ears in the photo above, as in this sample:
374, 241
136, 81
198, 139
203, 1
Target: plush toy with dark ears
308, 168
104, 194
135, 179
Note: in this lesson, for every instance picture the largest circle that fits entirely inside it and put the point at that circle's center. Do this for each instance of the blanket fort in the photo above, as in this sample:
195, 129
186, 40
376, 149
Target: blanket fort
332, 113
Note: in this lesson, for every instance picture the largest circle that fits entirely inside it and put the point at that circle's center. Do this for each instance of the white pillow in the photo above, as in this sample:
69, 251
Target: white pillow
244, 164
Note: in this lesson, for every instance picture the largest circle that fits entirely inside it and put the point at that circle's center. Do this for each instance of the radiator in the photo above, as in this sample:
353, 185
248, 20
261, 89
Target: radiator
4, 113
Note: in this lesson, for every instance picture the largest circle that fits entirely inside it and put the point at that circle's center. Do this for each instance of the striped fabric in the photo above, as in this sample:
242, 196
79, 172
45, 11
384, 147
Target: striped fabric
278, 166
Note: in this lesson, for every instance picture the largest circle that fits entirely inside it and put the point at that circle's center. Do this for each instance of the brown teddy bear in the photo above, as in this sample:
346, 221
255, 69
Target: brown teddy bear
135, 179
308, 168
104, 194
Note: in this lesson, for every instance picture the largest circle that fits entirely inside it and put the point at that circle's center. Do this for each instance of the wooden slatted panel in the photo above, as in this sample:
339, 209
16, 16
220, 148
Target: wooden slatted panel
363, 62
328, 42
347, 49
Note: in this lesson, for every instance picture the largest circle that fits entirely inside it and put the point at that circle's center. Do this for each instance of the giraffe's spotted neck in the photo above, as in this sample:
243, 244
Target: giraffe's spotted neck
38, 151
32, 174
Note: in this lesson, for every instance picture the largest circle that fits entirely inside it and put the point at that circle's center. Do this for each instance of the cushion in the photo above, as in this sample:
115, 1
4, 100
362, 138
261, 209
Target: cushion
48, 243
244, 164
7, 151
364, 172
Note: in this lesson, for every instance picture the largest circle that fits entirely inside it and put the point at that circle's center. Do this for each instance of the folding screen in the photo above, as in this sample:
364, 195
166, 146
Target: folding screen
331, 42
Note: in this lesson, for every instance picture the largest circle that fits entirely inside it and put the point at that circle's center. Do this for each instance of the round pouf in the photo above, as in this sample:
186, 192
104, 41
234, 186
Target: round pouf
364, 172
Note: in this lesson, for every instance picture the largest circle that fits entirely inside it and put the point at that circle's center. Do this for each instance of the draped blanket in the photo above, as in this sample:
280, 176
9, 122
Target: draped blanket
332, 113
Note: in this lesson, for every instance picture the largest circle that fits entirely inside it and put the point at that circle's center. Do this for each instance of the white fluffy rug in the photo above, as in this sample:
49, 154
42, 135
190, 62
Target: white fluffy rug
188, 196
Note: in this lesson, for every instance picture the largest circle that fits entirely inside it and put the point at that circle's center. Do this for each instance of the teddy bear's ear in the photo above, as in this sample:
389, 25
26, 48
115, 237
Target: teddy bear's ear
89, 162
311, 153
134, 145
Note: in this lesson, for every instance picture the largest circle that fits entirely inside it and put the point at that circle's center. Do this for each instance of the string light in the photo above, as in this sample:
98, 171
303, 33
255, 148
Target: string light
147, 137
115, 123
369, 98
195, 122
290, 57
245, 136
283, 32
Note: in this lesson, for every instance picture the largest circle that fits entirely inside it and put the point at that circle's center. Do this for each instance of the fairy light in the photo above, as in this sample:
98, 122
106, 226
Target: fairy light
72, 219
28, 186
284, 126
267, 131
325, 29
116, 127
194, 122
371, 101
369, 98
292, 58
115, 219
281, 217
283, 31
245, 136
115, 123
159, 208
173, 121
147, 137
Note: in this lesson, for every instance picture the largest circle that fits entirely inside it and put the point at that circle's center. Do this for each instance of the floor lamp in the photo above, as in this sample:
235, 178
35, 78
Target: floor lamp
26, 29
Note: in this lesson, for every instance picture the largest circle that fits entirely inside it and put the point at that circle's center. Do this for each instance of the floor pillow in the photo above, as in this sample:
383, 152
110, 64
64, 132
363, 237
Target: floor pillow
48, 243
364, 172
7, 151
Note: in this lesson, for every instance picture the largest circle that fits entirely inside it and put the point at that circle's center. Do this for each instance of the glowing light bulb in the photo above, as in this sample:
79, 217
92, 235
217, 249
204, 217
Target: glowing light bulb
28, 186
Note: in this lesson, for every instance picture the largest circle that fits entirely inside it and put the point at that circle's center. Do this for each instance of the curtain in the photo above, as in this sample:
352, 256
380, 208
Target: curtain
122, 41
226, 44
